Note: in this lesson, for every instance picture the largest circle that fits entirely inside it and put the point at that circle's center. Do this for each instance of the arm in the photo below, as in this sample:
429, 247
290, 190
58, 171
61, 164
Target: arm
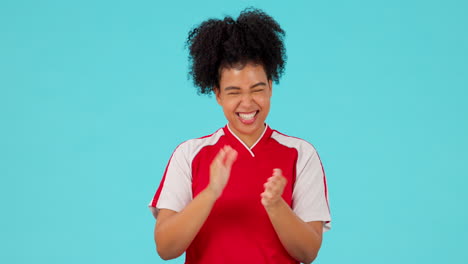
300, 239
174, 231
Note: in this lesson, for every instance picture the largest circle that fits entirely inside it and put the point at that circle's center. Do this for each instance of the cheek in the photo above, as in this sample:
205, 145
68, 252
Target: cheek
263, 101
229, 106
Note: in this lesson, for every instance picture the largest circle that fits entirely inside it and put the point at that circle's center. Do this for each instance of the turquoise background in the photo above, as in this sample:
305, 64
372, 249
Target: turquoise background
94, 97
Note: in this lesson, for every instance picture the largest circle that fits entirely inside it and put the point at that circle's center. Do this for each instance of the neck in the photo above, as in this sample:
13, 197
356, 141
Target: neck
248, 139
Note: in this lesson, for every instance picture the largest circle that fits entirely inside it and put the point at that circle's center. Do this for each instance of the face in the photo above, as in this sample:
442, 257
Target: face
244, 94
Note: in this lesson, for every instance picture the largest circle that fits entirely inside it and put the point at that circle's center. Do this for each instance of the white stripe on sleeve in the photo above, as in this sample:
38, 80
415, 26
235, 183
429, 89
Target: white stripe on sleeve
310, 201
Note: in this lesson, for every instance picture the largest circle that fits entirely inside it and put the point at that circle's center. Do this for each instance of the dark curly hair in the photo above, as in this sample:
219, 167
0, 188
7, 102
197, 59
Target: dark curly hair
253, 37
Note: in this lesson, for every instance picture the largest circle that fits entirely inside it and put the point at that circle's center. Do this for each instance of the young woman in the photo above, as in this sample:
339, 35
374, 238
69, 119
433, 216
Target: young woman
246, 193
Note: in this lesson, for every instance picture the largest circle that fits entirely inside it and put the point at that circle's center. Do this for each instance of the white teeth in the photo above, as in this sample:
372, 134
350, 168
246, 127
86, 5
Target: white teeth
247, 116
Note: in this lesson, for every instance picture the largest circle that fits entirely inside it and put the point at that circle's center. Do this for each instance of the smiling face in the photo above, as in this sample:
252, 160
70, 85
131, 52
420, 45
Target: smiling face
244, 94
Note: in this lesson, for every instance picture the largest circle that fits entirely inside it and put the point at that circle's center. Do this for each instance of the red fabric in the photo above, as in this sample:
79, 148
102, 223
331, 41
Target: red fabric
238, 229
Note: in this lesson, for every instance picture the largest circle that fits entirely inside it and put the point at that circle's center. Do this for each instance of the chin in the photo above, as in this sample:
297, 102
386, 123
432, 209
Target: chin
249, 129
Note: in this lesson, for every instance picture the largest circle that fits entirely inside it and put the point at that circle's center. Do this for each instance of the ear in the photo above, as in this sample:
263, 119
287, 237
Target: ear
217, 91
270, 83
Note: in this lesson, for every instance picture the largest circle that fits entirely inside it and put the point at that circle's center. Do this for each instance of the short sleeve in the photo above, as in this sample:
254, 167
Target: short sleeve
175, 190
310, 194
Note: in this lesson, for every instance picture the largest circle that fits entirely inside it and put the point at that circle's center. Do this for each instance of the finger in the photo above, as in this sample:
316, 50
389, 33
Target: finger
228, 148
267, 195
276, 187
268, 186
231, 156
275, 184
225, 149
274, 181
264, 199
277, 172
274, 191
220, 156
265, 192
279, 179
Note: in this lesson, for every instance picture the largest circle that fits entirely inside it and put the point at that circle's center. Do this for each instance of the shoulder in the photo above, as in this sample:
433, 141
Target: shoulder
301, 145
191, 147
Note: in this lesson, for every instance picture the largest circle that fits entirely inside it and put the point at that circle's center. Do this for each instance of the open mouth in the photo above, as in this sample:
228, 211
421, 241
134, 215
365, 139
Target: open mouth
247, 117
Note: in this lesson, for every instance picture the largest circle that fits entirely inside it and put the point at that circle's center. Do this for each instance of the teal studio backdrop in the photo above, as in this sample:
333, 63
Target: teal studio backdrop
94, 97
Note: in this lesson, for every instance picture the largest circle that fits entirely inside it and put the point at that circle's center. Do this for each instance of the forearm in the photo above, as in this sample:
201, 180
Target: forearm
175, 234
299, 239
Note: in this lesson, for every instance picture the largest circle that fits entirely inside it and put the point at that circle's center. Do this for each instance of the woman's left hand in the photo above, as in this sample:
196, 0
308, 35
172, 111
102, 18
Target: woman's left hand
274, 188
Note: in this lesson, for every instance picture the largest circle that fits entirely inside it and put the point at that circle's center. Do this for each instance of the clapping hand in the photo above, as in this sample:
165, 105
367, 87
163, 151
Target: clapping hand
274, 188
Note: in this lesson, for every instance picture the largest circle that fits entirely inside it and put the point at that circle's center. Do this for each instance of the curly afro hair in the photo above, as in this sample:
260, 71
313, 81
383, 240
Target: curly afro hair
253, 37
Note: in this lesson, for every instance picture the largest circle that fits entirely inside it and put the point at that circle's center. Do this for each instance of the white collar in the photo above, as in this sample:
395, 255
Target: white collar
242, 142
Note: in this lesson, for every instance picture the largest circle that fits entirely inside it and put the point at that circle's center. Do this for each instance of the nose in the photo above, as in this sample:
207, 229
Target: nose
246, 100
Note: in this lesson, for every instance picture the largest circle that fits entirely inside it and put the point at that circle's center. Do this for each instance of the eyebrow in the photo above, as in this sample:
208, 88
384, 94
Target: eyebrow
237, 88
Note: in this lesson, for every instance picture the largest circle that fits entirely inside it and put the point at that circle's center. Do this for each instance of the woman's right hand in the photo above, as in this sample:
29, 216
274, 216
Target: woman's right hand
175, 231
220, 169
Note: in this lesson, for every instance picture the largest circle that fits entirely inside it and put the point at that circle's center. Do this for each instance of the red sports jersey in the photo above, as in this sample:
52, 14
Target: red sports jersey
238, 229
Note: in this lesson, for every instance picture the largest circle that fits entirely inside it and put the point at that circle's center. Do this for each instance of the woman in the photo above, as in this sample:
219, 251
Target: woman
246, 193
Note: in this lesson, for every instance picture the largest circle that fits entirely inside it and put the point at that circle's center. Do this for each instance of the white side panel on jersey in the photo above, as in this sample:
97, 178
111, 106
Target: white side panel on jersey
310, 202
176, 192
